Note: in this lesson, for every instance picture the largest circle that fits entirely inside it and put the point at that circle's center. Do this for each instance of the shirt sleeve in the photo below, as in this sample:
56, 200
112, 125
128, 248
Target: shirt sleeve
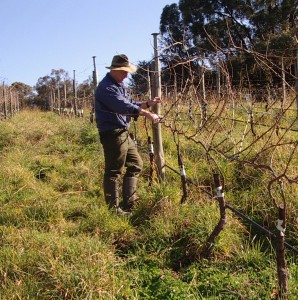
118, 102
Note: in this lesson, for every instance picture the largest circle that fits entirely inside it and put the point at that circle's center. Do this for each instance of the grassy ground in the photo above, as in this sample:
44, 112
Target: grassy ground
59, 240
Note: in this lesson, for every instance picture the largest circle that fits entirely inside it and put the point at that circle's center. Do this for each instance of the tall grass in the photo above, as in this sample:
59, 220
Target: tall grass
59, 240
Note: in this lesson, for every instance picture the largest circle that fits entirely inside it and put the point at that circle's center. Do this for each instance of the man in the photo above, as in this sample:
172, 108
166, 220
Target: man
113, 110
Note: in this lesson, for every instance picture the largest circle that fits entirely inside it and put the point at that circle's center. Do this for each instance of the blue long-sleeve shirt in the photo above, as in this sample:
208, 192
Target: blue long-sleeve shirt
113, 105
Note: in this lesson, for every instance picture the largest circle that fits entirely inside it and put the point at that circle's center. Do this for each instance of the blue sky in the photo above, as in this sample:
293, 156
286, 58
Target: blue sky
40, 35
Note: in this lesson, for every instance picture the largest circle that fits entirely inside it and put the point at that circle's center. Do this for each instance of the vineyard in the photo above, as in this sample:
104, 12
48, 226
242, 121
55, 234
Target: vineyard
217, 215
222, 224
9, 102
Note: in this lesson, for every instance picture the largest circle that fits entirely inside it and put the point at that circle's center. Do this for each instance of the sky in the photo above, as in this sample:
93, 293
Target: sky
40, 35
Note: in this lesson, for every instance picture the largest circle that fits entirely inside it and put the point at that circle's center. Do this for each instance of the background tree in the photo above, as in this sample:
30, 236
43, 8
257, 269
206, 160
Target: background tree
50, 84
86, 89
231, 31
275, 25
59, 87
25, 93
139, 82
177, 44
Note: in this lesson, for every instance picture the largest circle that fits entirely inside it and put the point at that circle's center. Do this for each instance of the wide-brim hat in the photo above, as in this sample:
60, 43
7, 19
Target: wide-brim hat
120, 62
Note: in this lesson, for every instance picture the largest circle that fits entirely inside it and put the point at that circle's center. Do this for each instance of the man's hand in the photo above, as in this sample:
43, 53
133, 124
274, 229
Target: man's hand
155, 101
148, 104
149, 115
155, 118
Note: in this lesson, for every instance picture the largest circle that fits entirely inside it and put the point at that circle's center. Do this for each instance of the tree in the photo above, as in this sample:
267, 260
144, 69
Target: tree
50, 84
178, 47
140, 83
86, 89
25, 93
231, 31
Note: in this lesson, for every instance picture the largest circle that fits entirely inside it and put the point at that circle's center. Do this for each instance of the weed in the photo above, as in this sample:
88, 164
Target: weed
60, 241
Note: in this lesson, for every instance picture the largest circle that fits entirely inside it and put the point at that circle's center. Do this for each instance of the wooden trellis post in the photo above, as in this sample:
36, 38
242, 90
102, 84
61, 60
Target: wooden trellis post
156, 92
58, 99
149, 82
11, 102
218, 87
203, 90
283, 76
4, 102
296, 80
74, 93
95, 83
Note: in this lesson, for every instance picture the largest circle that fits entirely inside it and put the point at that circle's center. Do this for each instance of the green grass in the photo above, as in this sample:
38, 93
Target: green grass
59, 240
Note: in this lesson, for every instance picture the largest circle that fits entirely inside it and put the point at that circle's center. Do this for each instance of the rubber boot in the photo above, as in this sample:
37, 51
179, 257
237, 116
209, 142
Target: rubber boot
111, 194
129, 192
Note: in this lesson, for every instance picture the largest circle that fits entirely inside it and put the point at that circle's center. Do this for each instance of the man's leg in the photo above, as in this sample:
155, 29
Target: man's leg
115, 147
111, 193
134, 165
129, 192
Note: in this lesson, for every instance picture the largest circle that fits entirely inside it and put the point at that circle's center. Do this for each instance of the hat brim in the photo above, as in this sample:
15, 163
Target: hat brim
129, 69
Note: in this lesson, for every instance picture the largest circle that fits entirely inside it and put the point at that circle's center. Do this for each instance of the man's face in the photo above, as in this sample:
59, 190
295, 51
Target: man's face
119, 75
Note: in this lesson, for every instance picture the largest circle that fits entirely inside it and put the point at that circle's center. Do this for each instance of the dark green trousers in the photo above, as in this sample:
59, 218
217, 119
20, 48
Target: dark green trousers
120, 152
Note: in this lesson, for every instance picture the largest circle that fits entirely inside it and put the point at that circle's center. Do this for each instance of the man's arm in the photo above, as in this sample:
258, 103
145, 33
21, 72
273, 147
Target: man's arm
148, 104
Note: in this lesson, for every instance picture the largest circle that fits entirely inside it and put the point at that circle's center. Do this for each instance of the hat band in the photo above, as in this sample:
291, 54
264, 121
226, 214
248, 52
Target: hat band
120, 65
